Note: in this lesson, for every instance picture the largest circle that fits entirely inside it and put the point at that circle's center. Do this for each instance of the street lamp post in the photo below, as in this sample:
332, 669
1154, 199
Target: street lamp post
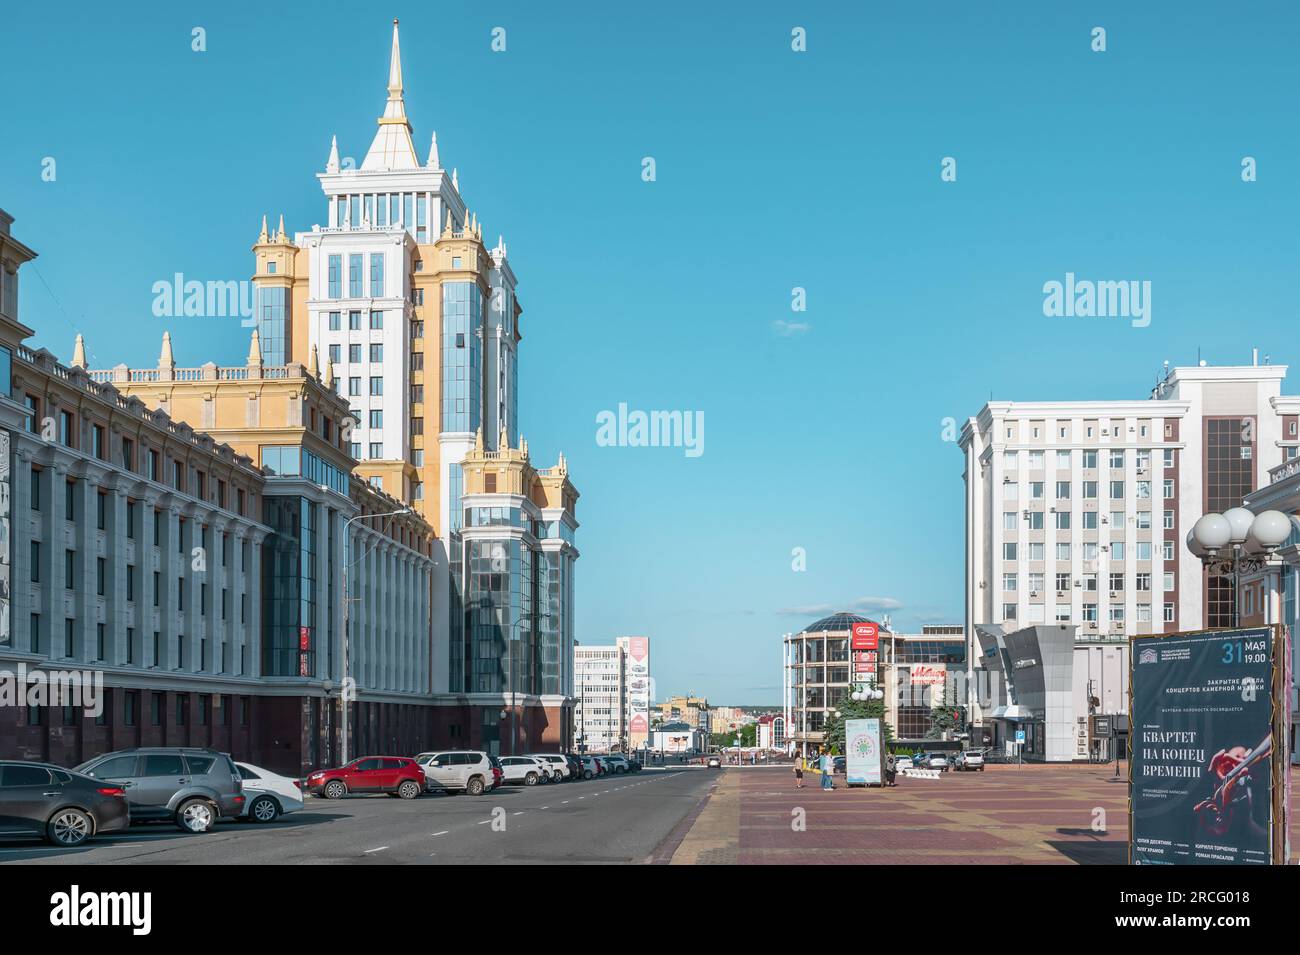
345, 688
1238, 542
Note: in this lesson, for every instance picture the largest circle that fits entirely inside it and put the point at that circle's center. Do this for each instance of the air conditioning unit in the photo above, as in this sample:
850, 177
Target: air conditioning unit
1112, 593
1060, 593
1033, 593
1006, 479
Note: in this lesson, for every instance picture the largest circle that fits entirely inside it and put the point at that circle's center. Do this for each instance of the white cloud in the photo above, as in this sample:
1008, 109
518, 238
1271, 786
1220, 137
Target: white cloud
789, 329
868, 604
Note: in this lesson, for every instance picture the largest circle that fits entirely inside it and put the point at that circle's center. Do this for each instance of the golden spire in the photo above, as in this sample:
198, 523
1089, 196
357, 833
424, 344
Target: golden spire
313, 363
79, 353
255, 350
261, 236
165, 358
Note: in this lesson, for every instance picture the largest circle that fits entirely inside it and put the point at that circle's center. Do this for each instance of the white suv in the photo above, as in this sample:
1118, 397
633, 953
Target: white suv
617, 763
523, 769
457, 771
556, 764
970, 760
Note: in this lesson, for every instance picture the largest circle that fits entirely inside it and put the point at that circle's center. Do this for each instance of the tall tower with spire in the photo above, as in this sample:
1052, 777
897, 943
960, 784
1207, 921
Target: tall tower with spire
417, 322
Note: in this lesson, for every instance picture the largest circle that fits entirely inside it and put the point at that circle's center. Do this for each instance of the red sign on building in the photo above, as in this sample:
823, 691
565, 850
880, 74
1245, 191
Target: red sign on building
866, 636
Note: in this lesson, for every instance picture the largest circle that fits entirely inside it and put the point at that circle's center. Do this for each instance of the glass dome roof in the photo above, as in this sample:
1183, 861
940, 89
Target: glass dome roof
836, 621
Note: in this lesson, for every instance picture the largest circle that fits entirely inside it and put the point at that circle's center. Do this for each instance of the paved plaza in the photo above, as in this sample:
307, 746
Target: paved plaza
1006, 815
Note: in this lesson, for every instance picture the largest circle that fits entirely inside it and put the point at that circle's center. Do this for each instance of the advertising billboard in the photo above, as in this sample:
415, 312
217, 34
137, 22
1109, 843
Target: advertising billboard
637, 650
1207, 770
864, 753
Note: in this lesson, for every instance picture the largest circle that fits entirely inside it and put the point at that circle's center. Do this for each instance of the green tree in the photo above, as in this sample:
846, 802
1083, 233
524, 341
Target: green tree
850, 709
943, 716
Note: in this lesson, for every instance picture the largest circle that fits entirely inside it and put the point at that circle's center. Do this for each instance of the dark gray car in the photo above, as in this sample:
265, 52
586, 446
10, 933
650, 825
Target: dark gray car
190, 786
65, 807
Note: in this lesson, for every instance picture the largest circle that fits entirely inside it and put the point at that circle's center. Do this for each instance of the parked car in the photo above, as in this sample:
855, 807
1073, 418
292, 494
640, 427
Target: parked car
634, 764
903, 762
575, 766
268, 795
969, 761
556, 765
715, 762
839, 765
469, 771
617, 763
190, 786
602, 767
590, 767
934, 761
65, 807
498, 772
394, 775
527, 770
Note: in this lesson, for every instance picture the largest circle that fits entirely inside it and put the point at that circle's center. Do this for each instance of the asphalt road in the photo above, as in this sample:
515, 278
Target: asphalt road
618, 819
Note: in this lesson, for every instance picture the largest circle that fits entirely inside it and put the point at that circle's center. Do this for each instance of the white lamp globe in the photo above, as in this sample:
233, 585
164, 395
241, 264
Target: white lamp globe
1212, 532
1270, 530
1194, 546
1239, 520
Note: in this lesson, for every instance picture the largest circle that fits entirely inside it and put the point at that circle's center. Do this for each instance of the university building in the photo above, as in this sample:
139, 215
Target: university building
247, 552
419, 324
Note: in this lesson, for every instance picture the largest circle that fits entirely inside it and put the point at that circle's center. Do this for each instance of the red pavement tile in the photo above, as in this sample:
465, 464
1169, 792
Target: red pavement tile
1009, 815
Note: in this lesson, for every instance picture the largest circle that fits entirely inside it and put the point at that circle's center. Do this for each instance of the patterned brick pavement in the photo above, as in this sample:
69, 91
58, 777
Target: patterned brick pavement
1006, 815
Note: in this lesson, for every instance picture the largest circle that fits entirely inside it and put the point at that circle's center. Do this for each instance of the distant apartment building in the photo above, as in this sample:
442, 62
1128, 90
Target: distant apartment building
600, 714
1077, 512
693, 710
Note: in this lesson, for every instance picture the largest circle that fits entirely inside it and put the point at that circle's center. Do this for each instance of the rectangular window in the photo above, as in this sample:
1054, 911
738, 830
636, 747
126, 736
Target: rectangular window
354, 321
1116, 490
377, 418
334, 320
354, 353
1062, 520
1116, 582
335, 278
376, 386
354, 277
1169, 520
335, 353
376, 321
1009, 582
1009, 550
1089, 520
376, 353
1117, 460
1089, 490
1090, 459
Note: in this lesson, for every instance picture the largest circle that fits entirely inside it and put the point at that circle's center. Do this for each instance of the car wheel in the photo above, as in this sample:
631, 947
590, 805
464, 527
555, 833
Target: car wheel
475, 786
264, 809
586, 774
409, 789
335, 789
530, 779
69, 828
196, 816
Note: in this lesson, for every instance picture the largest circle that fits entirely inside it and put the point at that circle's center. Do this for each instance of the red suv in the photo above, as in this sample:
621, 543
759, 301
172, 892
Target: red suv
394, 775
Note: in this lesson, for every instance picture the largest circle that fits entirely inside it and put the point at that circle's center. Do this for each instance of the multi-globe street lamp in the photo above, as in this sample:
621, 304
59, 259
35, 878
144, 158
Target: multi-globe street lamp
1237, 542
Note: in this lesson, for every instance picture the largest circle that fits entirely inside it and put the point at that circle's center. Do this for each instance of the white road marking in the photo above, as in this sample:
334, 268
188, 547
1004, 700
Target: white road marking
443, 833
485, 822
520, 813
368, 851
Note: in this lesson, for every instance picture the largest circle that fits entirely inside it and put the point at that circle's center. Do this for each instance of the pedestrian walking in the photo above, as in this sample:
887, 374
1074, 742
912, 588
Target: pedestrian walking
828, 770
798, 773
891, 767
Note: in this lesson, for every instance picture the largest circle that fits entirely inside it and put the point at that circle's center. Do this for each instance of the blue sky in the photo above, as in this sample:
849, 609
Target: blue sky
775, 169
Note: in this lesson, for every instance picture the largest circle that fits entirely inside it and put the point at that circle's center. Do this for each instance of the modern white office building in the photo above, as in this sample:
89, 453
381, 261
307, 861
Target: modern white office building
1077, 512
